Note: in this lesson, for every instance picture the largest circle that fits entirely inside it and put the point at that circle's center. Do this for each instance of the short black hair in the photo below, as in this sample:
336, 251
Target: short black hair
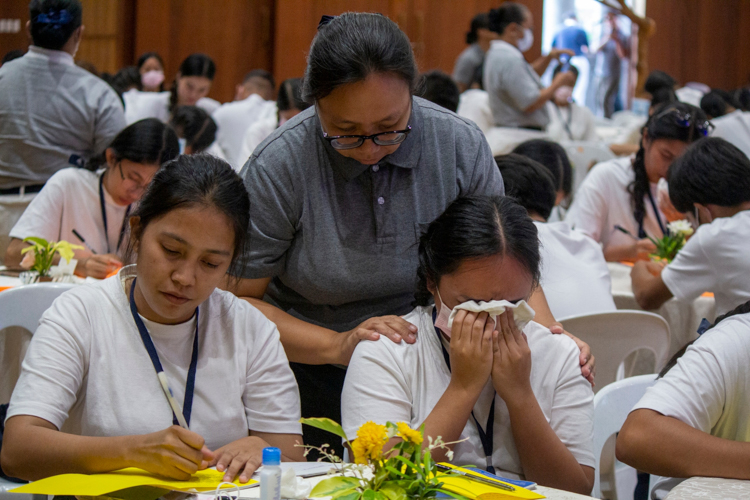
559, 68
262, 74
195, 125
529, 183
742, 96
148, 55
290, 97
125, 79
351, 47
657, 80
12, 54
438, 87
507, 13
480, 21
54, 21
663, 95
553, 157
712, 171
149, 141
474, 227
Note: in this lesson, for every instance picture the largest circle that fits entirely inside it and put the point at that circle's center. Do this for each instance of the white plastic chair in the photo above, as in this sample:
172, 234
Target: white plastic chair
23, 306
611, 407
582, 154
613, 336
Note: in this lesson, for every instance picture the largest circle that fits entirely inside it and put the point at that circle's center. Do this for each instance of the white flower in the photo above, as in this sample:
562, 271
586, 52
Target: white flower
680, 227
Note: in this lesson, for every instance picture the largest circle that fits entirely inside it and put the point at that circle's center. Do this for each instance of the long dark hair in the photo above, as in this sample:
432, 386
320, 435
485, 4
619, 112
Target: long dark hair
667, 122
197, 180
148, 141
193, 65
352, 46
508, 13
54, 21
195, 126
142, 60
480, 21
475, 227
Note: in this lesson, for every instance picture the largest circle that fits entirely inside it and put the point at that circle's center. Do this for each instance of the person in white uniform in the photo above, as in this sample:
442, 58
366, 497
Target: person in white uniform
695, 421
53, 114
732, 124
568, 120
234, 118
517, 96
196, 131
616, 204
509, 396
95, 202
553, 157
92, 396
190, 88
574, 275
712, 181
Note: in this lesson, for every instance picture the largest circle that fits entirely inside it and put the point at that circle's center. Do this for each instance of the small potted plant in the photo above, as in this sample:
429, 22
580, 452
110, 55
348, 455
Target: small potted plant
39, 256
672, 242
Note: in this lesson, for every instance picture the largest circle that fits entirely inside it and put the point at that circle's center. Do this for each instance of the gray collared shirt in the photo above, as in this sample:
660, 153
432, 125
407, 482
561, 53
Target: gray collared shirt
340, 238
51, 109
512, 85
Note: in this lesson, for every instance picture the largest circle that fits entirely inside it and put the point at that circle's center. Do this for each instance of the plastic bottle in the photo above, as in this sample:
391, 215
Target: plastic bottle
270, 476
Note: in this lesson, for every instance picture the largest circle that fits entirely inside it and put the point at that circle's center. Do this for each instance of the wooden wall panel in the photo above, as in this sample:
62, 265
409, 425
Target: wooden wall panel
10, 11
237, 34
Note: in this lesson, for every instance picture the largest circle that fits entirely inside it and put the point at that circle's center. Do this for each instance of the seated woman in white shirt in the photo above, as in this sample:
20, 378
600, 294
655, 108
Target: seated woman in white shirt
189, 88
196, 130
711, 181
695, 421
569, 121
553, 157
95, 202
92, 392
520, 387
616, 204
575, 277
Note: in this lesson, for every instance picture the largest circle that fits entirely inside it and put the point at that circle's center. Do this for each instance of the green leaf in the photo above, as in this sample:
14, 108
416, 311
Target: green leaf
37, 241
331, 486
372, 495
325, 424
409, 463
393, 492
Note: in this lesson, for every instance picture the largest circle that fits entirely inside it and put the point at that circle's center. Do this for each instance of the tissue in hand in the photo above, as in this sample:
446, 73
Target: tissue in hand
522, 312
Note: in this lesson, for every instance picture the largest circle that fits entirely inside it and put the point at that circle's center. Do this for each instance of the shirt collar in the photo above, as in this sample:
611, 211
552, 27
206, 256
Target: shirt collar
502, 44
58, 56
406, 156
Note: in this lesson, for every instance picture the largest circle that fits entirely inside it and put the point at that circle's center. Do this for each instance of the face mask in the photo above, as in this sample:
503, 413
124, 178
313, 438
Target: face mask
564, 94
152, 79
443, 317
527, 41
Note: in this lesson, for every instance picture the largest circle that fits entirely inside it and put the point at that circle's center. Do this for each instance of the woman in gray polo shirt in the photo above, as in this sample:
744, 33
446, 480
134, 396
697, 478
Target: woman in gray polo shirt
338, 197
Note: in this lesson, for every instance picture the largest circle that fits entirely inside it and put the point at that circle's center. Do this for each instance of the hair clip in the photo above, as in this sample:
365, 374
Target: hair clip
704, 326
58, 18
325, 20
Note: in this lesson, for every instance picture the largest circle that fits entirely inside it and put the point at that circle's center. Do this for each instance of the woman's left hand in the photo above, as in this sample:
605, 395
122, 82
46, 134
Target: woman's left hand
511, 365
587, 360
241, 457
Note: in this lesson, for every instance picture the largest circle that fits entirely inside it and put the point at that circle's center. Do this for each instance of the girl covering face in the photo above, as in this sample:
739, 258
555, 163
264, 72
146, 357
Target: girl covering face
504, 392
161, 322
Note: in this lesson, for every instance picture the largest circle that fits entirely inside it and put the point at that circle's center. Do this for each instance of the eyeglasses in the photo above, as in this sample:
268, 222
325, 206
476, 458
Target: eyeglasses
354, 141
139, 184
686, 120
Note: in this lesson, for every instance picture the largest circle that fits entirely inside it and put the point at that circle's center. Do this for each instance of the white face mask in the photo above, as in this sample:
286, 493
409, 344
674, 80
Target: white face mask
564, 94
527, 41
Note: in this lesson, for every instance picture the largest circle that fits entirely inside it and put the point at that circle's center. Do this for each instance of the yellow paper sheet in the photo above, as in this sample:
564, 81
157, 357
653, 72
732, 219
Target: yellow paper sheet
481, 490
101, 484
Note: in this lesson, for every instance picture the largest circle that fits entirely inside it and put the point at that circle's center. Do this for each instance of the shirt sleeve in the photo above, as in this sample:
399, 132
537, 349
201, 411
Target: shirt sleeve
55, 364
463, 71
271, 396
375, 389
484, 178
42, 218
589, 211
691, 273
110, 120
519, 85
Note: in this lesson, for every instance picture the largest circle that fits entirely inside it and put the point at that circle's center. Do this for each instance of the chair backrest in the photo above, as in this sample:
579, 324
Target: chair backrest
611, 407
582, 154
24, 305
613, 336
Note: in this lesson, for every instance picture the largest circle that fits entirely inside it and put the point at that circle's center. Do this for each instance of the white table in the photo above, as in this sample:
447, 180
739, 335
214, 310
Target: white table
711, 487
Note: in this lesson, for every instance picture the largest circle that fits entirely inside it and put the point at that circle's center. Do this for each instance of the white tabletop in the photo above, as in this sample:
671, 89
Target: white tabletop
711, 487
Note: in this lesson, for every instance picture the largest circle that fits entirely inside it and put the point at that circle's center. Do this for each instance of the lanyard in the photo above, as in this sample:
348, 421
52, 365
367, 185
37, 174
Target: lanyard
187, 405
485, 436
566, 124
104, 217
641, 232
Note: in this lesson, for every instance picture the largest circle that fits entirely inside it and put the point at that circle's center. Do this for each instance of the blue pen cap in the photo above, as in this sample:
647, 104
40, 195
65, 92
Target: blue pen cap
271, 456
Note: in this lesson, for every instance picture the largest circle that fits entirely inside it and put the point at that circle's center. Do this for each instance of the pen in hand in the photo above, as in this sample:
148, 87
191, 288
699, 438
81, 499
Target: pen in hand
625, 231
78, 235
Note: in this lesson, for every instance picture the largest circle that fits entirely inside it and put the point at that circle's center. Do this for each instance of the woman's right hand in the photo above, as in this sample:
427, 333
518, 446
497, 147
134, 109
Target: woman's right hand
175, 453
472, 335
395, 328
99, 266
643, 248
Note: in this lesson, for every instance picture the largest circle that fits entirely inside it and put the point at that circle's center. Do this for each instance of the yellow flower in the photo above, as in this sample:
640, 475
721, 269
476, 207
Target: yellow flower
369, 443
408, 434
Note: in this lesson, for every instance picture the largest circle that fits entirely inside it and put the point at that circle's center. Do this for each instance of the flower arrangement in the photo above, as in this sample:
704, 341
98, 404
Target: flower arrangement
672, 242
41, 254
406, 471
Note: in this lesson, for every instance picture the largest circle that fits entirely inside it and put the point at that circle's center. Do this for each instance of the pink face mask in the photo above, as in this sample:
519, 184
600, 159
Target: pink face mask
152, 79
441, 321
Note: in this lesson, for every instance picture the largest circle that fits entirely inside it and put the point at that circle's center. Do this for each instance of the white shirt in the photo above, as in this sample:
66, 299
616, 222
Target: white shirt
579, 121
70, 200
735, 128
50, 110
88, 372
603, 201
403, 382
575, 277
256, 133
474, 104
715, 259
140, 105
233, 119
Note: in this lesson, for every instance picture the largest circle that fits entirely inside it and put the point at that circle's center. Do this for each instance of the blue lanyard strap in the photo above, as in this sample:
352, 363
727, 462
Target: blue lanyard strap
485, 436
187, 404
104, 218
642, 232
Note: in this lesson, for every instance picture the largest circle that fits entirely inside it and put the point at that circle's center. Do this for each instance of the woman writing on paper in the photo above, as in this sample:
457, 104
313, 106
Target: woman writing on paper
481, 372
90, 397
95, 202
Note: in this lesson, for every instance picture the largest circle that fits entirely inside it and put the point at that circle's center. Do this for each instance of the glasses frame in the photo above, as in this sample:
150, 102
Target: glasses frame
374, 137
139, 186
